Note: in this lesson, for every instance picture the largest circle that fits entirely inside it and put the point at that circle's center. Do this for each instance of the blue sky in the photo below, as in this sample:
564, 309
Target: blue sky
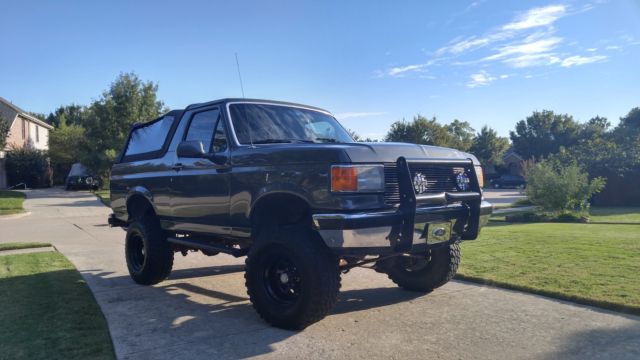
370, 63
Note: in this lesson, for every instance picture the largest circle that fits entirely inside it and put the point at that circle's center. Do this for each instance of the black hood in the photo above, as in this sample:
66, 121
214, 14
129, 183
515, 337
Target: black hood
389, 152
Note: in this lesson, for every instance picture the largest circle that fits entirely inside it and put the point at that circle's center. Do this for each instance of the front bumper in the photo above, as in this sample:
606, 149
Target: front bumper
405, 228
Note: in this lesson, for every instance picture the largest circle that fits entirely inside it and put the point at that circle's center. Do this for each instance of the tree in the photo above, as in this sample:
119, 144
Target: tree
543, 133
70, 115
560, 188
420, 131
129, 100
66, 146
4, 132
461, 135
488, 147
38, 116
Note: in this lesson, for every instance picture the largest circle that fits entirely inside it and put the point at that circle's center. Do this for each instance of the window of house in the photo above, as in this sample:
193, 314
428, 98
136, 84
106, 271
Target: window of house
24, 129
37, 133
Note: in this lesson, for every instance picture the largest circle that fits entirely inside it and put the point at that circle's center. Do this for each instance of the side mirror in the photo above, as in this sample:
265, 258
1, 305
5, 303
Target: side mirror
191, 149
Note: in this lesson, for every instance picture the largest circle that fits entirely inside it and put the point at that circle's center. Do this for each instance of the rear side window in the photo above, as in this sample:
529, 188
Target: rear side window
149, 138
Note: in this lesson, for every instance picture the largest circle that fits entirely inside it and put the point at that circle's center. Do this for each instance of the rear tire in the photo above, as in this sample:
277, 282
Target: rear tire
292, 278
148, 253
426, 274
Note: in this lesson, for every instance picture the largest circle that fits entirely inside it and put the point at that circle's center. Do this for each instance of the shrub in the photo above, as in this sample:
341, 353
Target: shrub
29, 166
562, 217
560, 189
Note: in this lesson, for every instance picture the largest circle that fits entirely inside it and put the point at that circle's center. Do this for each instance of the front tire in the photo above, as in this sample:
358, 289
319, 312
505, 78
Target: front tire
424, 275
148, 253
292, 278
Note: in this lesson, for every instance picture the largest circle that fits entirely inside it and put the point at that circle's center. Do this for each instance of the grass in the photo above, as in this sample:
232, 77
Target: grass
594, 264
48, 312
622, 215
104, 195
11, 202
18, 246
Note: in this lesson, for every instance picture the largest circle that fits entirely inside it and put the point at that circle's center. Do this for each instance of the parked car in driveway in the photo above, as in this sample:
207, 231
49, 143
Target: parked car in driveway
509, 181
285, 185
81, 178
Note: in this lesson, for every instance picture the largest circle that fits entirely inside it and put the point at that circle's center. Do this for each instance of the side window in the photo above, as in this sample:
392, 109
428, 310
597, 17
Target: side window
202, 126
149, 138
220, 138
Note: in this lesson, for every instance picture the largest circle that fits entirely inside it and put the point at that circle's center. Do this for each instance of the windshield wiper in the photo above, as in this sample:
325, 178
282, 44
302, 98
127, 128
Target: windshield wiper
281, 141
327, 140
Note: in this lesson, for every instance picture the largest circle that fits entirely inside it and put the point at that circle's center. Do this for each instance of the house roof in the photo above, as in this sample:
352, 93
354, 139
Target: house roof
24, 114
512, 153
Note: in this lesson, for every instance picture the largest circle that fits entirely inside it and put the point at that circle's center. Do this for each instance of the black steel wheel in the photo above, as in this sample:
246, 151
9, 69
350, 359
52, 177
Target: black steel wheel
147, 251
292, 278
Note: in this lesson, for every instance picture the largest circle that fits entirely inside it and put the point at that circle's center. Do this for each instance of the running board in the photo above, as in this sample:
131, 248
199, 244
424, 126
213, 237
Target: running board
201, 244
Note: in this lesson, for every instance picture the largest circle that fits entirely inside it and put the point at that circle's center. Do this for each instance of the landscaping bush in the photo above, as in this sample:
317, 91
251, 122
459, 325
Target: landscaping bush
559, 189
29, 166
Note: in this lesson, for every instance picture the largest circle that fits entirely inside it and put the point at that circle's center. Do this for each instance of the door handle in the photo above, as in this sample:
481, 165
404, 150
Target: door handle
177, 166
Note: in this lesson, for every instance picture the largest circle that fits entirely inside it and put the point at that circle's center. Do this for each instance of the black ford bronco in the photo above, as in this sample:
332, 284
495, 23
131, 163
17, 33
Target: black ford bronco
285, 185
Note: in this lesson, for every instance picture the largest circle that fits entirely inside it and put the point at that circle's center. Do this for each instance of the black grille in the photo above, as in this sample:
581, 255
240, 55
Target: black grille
440, 178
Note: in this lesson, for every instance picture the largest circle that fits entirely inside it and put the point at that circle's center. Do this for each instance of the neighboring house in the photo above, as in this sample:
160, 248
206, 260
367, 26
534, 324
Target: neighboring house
25, 130
513, 162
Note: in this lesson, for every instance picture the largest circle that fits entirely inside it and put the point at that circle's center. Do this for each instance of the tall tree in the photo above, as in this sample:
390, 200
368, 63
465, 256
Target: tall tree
70, 115
461, 135
4, 132
129, 100
488, 147
543, 133
419, 131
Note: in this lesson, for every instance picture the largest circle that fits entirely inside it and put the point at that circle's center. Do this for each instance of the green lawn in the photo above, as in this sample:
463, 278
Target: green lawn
11, 202
616, 214
48, 312
594, 264
104, 195
17, 246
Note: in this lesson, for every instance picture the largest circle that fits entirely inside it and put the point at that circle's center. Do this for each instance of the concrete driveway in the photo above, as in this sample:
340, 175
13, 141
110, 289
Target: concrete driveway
502, 197
202, 311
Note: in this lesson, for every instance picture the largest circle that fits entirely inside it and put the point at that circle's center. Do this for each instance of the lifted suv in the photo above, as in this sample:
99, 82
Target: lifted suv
285, 185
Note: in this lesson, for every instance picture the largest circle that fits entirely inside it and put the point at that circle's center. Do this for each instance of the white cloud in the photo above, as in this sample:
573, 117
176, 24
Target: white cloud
542, 16
401, 70
482, 78
528, 47
529, 60
504, 76
613, 47
351, 115
592, 49
581, 60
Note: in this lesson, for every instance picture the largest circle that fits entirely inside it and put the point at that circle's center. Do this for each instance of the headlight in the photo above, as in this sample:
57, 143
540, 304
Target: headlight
357, 178
480, 175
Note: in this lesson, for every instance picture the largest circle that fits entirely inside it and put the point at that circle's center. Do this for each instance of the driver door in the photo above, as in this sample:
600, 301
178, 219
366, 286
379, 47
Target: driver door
200, 194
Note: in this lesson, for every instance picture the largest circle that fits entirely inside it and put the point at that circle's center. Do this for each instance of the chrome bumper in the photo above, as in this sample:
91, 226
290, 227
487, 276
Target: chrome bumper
374, 229
406, 227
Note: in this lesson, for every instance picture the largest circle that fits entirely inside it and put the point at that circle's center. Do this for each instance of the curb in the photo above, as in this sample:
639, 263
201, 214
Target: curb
15, 216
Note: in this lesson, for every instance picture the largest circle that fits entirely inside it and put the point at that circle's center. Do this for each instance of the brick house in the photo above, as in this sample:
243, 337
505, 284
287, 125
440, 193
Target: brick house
25, 130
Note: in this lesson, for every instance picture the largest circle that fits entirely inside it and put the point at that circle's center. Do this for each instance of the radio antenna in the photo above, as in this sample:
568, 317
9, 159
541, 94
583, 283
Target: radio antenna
239, 75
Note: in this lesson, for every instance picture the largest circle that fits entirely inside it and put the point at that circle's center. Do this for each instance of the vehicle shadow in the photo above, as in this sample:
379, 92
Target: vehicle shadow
199, 309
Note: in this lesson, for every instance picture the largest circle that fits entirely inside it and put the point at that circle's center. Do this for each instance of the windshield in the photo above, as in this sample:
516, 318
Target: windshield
267, 123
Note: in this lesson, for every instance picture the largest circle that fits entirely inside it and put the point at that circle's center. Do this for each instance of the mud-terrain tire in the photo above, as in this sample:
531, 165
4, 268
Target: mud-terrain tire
148, 253
292, 278
427, 274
